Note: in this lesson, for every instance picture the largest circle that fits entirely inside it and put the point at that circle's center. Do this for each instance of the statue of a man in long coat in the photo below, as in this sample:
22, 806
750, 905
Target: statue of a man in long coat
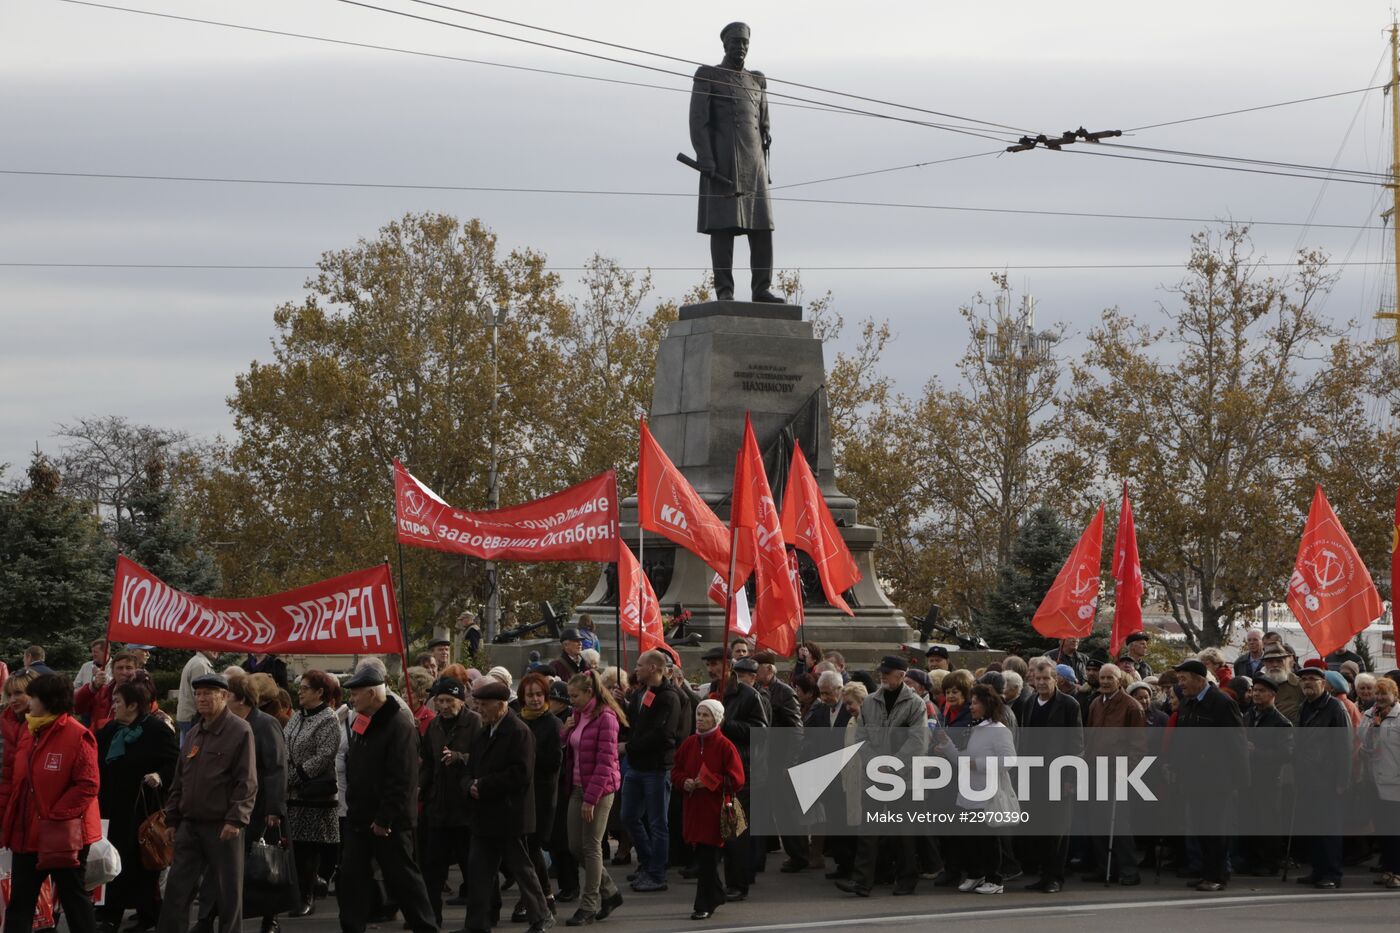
729, 130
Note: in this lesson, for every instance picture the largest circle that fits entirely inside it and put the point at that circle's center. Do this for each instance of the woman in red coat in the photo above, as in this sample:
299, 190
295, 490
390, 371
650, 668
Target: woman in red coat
48, 806
16, 706
707, 769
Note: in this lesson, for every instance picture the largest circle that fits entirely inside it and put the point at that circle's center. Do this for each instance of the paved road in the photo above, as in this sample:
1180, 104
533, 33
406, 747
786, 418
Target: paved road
807, 902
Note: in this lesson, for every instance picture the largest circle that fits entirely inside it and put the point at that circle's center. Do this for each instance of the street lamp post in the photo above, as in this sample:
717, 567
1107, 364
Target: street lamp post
493, 493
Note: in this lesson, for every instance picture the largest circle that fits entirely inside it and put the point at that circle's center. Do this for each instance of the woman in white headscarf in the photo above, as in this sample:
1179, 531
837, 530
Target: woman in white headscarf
707, 769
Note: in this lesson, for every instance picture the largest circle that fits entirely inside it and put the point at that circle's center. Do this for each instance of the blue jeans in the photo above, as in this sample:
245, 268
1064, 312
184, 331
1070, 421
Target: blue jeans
646, 799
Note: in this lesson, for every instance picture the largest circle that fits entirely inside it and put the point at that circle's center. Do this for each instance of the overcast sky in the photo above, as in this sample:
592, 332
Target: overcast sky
94, 90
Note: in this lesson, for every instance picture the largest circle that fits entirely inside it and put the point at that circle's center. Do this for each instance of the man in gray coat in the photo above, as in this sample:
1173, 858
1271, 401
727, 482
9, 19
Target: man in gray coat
893, 721
729, 130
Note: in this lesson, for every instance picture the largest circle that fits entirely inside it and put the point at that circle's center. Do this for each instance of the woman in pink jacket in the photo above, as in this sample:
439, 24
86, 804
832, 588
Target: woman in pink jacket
591, 766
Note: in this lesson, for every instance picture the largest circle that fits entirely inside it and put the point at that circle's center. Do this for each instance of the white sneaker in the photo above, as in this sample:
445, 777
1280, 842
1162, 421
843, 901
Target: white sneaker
988, 887
969, 884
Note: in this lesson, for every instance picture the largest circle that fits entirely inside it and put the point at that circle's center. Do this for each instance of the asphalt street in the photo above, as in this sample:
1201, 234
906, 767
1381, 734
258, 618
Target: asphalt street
809, 902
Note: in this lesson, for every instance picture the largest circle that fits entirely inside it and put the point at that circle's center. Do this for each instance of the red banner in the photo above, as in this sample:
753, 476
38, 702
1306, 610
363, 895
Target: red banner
639, 611
1127, 576
353, 614
668, 505
579, 523
1068, 609
808, 526
1330, 592
777, 605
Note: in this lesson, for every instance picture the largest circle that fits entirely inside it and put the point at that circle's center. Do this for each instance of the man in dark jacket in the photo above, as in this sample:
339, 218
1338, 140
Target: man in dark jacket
782, 699
1322, 771
1049, 726
571, 660
654, 717
445, 746
500, 781
381, 784
1210, 767
1269, 737
784, 712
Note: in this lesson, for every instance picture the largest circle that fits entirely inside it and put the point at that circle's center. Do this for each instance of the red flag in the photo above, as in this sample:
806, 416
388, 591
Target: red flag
668, 505
1330, 592
639, 612
1395, 574
1068, 609
578, 523
808, 526
1127, 575
754, 516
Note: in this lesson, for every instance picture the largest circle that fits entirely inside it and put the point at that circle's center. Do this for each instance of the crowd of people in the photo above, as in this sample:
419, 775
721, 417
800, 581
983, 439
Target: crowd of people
532, 787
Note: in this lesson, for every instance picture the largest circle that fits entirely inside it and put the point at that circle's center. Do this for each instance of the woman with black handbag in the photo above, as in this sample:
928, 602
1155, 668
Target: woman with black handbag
136, 756
48, 807
313, 738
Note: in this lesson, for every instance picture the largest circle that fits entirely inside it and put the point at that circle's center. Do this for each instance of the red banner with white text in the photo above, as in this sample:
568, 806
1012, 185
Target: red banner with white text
578, 523
350, 614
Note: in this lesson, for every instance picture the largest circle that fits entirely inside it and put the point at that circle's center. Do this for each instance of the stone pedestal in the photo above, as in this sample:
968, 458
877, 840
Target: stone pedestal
719, 361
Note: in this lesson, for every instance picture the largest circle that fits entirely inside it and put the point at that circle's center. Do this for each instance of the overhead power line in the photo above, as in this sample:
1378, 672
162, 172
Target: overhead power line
1030, 267
602, 192
370, 46
1231, 113
686, 61
622, 61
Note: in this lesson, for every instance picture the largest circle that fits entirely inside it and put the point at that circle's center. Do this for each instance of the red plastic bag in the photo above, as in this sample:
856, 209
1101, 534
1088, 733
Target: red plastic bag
43, 909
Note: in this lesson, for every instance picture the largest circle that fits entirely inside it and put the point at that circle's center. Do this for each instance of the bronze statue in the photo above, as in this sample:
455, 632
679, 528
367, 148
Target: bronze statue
729, 130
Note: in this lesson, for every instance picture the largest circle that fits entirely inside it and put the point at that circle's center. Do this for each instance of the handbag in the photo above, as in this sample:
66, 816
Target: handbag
270, 879
58, 842
732, 821
156, 850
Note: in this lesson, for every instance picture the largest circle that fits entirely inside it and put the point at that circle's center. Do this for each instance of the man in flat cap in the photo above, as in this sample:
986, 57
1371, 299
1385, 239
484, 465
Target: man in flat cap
730, 133
893, 721
1270, 744
1322, 771
446, 816
571, 660
499, 780
936, 659
210, 804
381, 797
1210, 767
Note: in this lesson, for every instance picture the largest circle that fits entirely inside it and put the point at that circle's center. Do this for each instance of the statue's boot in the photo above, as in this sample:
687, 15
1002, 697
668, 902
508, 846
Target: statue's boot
722, 257
761, 259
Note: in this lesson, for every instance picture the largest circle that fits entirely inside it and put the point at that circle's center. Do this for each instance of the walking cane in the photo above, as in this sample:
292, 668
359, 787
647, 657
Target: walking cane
1112, 822
1288, 847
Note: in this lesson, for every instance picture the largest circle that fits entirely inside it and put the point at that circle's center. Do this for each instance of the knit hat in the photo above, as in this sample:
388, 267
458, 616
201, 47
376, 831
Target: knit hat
501, 674
1066, 672
714, 707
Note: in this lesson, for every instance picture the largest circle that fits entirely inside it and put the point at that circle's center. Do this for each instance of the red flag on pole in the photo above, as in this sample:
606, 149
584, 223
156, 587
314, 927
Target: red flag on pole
668, 505
1127, 576
639, 612
1330, 592
1068, 609
1395, 574
754, 517
808, 526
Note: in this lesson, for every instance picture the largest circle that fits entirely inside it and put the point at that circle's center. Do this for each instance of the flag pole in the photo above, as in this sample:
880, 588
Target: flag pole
729, 603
